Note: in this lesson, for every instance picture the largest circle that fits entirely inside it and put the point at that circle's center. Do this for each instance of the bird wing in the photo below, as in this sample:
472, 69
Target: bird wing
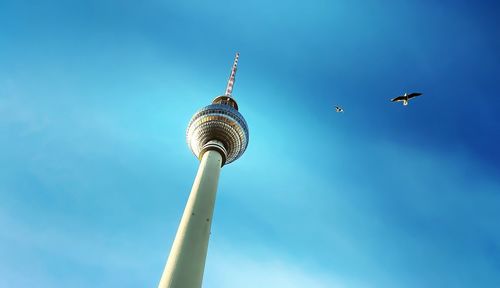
411, 95
399, 98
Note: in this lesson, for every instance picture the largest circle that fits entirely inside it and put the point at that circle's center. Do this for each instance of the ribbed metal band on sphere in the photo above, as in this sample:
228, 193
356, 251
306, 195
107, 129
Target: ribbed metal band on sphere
218, 123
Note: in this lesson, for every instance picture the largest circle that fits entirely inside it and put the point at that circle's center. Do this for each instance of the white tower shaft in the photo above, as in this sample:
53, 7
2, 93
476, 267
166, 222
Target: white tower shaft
186, 262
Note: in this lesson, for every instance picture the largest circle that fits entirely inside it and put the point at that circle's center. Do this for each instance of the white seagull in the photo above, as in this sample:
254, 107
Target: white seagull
338, 109
405, 98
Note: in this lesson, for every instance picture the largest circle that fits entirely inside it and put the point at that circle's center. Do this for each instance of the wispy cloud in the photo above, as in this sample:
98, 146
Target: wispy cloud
228, 267
17, 111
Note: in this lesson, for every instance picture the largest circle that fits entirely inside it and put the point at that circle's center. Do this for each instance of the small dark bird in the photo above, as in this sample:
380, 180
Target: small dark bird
338, 109
405, 98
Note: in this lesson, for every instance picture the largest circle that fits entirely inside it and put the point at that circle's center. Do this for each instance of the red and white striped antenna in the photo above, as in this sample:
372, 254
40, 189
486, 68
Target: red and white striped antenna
230, 82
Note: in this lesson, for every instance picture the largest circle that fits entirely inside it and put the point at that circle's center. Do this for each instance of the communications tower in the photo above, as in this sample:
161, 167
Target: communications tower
218, 135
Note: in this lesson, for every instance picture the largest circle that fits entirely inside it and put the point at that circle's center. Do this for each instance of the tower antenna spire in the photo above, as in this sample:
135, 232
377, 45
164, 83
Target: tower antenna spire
230, 82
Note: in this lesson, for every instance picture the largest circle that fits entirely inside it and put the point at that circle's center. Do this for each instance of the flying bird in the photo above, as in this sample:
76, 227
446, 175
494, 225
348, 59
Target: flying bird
338, 109
405, 98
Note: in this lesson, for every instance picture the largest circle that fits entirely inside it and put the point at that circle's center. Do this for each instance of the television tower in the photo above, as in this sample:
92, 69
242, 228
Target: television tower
217, 134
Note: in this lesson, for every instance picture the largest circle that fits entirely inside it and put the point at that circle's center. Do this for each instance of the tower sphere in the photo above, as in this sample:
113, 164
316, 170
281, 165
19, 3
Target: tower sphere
220, 127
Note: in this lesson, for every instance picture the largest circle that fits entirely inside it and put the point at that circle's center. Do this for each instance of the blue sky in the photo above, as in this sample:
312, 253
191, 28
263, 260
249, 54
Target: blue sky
95, 97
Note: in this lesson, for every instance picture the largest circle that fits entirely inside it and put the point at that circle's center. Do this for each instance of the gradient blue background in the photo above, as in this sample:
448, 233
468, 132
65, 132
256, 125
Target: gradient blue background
95, 97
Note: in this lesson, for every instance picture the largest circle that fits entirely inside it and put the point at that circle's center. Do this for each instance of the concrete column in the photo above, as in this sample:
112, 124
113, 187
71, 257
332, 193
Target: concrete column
186, 262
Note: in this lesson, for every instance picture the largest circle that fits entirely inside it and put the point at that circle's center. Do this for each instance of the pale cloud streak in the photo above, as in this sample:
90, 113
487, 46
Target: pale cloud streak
228, 267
